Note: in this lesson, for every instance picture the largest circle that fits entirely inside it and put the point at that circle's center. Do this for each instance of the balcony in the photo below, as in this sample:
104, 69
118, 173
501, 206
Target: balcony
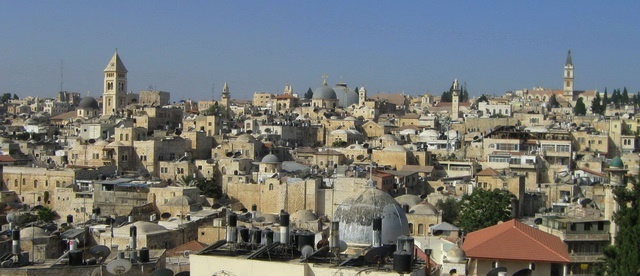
586, 257
586, 236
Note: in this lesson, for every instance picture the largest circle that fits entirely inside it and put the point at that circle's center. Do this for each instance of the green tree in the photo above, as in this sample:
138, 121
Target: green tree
15, 97
553, 102
616, 97
309, 94
5, 97
446, 97
464, 97
625, 96
483, 98
605, 99
580, 109
596, 104
450, 209
46, 214
622, 257
484, 208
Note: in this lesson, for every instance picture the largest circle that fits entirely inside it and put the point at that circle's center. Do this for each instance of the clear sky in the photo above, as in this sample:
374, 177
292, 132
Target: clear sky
186, 47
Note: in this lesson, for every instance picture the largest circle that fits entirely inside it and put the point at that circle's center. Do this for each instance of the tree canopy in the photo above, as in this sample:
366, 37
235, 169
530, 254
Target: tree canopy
483, 208
46, 214
5, 97
450, 210
309, 94
596, 105
622, 257
580, 109
553, 102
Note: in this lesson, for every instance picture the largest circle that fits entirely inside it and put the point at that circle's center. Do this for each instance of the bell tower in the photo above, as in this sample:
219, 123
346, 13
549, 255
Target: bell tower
224, 100
568, 78
115, 86
455, 100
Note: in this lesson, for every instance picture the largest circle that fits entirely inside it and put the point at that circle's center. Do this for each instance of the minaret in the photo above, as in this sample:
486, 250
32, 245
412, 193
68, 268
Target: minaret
362, 96
115, 86
568, 78
224, 100
455, 102
616, 173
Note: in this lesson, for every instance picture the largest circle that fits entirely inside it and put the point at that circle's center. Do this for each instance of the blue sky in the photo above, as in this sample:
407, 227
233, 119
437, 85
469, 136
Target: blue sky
415, 47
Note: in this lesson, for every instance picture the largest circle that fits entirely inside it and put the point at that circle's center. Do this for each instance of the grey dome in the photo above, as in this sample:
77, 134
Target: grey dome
88, 103
324, 92
246, 138
29, 233
303, 216
346, 97
270, 158
143, 227
456, 254
356, 217
395, 148
425, 209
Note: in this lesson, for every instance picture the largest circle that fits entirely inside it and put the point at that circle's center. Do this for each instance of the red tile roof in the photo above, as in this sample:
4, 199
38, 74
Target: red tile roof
514, 240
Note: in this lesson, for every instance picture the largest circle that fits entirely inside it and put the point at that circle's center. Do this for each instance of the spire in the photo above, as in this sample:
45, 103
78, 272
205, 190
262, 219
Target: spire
225, 89
324, 79
115, 64
569, 61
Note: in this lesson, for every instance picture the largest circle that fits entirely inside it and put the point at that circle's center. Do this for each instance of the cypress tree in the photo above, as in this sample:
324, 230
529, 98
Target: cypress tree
622, 257
580, 109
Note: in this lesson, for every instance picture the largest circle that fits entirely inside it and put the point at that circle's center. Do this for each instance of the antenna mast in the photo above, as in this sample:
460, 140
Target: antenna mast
213, 91
61, 74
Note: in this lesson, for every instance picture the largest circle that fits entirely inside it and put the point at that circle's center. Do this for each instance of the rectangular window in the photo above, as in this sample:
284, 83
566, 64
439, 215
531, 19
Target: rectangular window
563, 148
549, 148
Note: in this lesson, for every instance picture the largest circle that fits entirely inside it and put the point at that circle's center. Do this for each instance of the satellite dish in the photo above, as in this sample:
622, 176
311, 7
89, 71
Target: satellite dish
162, 272
165, 215
437, 232
496, 271
186, 253
523, 272
322, 243
119, 267
306, 251
7, 264
229, 154
96, 272
100, 252
377, 255
12, 217
537, 221
91, 141
342, 245
440, 189
184, 273
542, 210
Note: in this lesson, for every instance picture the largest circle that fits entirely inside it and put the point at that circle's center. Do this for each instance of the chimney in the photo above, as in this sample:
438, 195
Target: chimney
377, 232
15, 235
284, 228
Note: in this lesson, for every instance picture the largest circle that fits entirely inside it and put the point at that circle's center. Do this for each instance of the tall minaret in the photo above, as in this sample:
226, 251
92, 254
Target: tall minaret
568, 78
455, 101
616, 173
224, 100
362, 96
115, 86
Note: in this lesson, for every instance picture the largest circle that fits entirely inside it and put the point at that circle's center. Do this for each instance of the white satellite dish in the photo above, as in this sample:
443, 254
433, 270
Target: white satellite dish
342, 245
119, 267
306, 251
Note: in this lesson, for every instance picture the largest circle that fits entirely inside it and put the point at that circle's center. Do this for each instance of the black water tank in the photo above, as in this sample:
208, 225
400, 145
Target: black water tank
232, 220
284, 219
144, 255
377, 224
69, 218
391, 246
306, 238
243, 233
402, 262
75, 257
254, 207
256, 235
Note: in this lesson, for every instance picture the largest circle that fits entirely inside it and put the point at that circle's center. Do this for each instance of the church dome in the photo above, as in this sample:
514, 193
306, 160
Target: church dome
324, 92
246, 138
346, 97
32, 232
616, 162
388, 137
425, 209
411, 200
303, 216
270, 158
356, 217
180, 201
88, 102
143, 228
395, 148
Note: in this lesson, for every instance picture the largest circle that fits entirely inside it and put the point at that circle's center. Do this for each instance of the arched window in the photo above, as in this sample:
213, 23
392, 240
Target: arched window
15, 183
410, 228
420, 229
270, 187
